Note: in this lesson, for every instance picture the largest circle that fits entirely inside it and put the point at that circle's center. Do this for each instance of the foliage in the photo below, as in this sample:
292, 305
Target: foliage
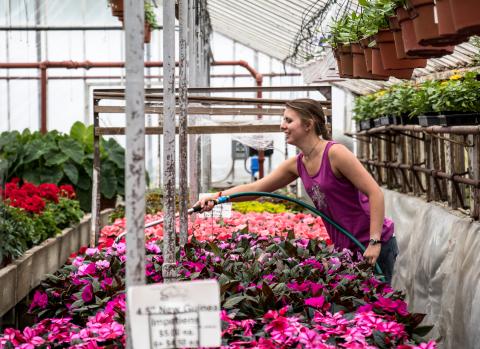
16, 230
354, 26
64, 159
459, 93
275, 293
366, 107
256, 206
150, 16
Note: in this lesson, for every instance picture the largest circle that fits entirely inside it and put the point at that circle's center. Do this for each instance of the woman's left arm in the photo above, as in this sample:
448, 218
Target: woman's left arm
344, 163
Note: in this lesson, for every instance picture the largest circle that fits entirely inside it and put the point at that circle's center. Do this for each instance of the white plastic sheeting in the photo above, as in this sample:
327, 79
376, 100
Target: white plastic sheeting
438, 267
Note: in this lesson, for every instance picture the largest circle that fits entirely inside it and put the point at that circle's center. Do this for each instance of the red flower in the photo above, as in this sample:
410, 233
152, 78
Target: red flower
49, 191
67, 191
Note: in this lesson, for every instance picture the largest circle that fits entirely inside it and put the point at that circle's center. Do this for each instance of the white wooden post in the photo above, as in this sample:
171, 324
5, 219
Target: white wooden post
168, 268
135, 152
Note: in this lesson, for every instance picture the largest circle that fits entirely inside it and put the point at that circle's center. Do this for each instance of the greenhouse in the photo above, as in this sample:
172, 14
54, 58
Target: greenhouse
240, 174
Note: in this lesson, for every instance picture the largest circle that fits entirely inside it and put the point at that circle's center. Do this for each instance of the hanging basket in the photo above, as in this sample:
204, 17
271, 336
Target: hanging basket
386, 44
410, 42
367, 51
379, 69
466, 16
359, 65
147, 33
446, 25
117, 8
346, 60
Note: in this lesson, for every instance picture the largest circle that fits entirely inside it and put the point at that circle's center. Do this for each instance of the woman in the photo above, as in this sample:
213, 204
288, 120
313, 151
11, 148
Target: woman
335, 180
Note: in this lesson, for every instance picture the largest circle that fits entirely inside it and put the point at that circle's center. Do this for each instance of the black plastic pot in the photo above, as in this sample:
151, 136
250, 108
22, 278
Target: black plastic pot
390, 120
366, 124
461, 119
450, 119
407, 120
377, 122
431, 120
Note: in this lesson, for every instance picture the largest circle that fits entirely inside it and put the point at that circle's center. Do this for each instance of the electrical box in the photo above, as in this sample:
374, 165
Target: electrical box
239, 151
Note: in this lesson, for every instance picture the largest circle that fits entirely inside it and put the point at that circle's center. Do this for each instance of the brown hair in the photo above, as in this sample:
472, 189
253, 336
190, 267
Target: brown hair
310, 109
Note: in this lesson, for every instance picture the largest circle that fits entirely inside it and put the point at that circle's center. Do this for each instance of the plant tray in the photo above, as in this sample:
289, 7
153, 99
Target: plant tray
405, 120
450, 119
431, 120
461, 119
366, 124
377, 122
390, 120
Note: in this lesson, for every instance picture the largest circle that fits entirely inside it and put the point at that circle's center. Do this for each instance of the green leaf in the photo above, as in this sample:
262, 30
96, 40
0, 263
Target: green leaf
78, 131
108, 180
71, 172
51, 175
232, 301
72, 149
56, 159
422, 330
32, 176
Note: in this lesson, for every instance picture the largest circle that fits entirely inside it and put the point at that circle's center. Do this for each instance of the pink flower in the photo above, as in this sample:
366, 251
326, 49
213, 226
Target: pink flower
315, 302
391, 305
87, 293
40, 300
430, 345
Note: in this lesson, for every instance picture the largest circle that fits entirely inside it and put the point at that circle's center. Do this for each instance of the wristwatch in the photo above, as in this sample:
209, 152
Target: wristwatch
374, 241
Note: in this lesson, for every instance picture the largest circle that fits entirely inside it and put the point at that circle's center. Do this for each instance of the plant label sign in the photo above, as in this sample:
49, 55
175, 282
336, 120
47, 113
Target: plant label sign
175, 315
219, 211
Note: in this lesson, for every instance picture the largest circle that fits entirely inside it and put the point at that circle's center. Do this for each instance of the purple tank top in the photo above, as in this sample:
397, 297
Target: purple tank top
341, 201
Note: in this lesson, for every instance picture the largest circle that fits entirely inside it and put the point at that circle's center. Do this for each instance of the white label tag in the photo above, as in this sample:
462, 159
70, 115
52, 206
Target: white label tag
175, 315
219, 211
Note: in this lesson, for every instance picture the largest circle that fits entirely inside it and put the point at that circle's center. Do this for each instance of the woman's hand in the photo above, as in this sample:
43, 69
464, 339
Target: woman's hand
372, 253
207, 203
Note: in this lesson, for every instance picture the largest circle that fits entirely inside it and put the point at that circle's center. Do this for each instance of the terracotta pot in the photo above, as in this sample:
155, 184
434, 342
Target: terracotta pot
410, 43
346, 60
422, 14
386, 44
117, 7
336, 54
147, 33
378, 69
367, 53
466, 16
446, 25
359, 65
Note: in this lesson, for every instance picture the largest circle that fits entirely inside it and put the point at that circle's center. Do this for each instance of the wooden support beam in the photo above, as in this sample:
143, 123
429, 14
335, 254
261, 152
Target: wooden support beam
210, 129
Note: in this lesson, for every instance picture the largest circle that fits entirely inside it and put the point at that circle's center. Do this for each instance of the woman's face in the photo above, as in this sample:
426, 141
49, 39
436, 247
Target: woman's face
293, 126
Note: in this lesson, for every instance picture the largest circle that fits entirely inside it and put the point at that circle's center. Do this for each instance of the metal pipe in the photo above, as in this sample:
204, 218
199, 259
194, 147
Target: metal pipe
58, 28
43, 99
108, 77
89, 65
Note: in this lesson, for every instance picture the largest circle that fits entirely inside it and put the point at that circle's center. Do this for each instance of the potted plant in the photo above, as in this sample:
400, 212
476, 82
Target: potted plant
410, 42
150, 22
116, 7
366, 110
457, 99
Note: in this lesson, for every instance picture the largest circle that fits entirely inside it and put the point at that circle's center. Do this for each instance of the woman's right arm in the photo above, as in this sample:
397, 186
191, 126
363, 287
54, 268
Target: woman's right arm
284, 174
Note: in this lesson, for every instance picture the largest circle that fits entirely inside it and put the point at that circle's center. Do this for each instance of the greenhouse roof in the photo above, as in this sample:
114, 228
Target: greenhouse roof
269, 26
